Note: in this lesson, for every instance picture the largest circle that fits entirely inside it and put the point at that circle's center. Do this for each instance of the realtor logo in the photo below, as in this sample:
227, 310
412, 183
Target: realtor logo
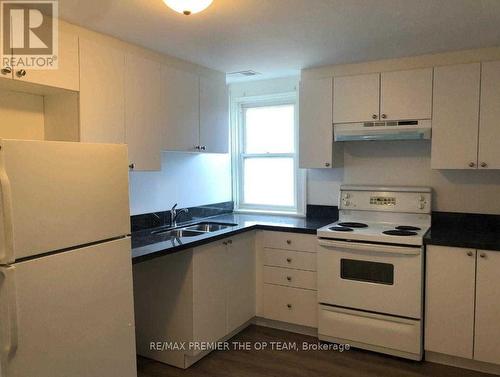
29, 34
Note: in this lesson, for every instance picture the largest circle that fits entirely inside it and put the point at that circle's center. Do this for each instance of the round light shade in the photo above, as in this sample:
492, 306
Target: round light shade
188, 7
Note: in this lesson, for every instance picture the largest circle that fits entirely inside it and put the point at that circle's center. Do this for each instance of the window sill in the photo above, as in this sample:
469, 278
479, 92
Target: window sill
271, 213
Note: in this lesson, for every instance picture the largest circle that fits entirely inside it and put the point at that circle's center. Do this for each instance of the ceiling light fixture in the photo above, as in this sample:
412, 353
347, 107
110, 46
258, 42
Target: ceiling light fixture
188, 7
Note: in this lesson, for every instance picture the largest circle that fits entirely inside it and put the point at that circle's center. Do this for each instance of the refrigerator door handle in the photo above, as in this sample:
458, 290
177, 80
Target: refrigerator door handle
6, 231
10, 347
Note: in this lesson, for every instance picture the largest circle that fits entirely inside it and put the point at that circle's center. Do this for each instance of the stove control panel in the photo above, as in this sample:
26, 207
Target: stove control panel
391, 201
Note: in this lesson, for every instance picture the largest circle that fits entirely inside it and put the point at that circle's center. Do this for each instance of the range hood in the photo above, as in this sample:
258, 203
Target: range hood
396, 130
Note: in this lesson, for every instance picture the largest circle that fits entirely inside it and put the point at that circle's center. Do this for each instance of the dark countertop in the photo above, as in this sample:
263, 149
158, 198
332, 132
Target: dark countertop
146, 246
473, 231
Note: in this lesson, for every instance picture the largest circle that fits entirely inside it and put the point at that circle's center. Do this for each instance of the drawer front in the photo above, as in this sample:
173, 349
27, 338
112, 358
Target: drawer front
290, 259
290, 277
292, 305
290, 241
370, 329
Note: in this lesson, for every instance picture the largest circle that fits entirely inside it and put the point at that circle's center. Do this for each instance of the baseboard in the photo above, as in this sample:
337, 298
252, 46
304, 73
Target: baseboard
460, 362
285, 326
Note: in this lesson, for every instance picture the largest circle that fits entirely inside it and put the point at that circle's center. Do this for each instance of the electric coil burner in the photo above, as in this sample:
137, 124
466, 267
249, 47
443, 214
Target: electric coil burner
397, 232
353, 225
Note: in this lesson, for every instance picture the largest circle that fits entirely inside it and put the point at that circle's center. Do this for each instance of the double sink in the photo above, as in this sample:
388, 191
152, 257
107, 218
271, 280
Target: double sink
193, 230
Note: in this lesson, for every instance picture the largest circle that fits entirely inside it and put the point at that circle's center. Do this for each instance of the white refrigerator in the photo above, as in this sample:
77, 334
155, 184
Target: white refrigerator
66, 301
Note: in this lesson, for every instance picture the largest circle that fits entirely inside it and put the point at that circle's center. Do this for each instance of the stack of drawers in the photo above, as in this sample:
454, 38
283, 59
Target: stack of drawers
289, 274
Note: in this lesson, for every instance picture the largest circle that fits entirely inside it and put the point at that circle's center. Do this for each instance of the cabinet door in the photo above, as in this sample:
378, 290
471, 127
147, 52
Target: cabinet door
315, 125
489, 128
180, 102
214, 115
143, 112
240, 281
102, 93
209, 292
66, 76
455, 118
356, 98
449, 307
406, 95
487, 335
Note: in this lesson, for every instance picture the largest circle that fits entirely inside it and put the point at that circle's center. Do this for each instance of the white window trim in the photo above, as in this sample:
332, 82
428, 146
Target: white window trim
237, 106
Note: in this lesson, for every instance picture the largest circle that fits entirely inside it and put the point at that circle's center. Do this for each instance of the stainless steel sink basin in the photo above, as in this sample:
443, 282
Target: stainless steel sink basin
178, 233
209, 227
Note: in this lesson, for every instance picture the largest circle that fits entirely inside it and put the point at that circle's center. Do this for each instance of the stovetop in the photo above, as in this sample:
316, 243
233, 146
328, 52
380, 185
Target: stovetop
381, 232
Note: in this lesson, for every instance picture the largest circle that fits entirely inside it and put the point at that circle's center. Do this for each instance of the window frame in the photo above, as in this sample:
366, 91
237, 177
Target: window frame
238, 108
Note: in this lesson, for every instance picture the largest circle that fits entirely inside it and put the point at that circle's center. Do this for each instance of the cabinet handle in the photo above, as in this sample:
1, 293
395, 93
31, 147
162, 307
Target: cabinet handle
21, 73
131, 166
484, 164
384, 116
327, 164
469, 253
289, 306
289, 242
6, 71
482, 255
289, 260
374, 116
289, 278
471, 164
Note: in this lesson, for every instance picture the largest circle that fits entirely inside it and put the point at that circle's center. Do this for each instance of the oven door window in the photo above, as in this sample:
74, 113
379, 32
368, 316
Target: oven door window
372, 272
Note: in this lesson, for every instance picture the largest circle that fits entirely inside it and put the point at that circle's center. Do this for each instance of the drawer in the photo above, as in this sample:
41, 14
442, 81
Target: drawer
290, 259
292, 305
290, 241
373, 330
289, 277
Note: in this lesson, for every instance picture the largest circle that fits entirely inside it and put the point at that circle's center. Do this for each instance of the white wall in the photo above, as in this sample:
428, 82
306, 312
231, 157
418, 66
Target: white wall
188, 179
407, 163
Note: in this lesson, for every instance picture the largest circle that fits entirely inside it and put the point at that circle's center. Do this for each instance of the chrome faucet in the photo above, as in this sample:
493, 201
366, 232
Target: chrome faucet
174, 213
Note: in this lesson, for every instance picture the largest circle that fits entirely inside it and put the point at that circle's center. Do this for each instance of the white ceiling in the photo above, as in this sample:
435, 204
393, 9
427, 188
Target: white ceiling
279, 37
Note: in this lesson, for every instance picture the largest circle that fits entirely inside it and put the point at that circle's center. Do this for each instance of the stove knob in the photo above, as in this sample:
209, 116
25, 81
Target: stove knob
347, 203
421, 206
347, 196
422, 198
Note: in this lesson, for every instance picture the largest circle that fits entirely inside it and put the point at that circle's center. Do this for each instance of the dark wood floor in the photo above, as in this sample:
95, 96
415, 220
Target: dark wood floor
269, 363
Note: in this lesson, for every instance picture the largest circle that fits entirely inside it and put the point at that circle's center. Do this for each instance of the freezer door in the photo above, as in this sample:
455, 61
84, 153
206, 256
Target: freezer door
57, 195
70, 314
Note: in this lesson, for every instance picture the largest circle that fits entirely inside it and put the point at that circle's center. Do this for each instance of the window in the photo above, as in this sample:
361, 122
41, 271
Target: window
265, 168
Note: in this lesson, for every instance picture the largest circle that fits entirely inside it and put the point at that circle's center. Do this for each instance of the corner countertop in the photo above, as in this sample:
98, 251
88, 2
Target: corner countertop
475, 231
146, 246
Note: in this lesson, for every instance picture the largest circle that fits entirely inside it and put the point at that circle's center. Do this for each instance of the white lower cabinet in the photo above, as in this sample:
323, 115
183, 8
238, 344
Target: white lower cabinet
188, 299
462, 303
487, 326
287, 278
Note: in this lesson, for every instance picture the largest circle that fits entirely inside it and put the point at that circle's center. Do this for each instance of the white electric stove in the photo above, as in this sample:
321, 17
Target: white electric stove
370, 269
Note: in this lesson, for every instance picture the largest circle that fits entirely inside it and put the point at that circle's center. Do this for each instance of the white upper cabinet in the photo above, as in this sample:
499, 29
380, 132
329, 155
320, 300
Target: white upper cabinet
66, 76
102, 93
455, 118
316, 147
181, 113
406, 95
214, 115
487, 330
356, 98
143, 111
489, 128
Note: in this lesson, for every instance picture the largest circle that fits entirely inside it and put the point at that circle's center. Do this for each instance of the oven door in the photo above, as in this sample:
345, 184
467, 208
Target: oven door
377, 278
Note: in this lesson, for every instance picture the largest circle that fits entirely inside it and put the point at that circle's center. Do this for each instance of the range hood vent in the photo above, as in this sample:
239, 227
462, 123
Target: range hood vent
400, 130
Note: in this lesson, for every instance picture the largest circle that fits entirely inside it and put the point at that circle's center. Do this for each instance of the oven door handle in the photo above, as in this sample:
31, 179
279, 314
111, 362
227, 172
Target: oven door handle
368, 247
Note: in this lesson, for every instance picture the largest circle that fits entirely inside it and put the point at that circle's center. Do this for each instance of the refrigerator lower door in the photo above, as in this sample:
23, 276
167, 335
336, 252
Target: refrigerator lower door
73, 314
59, 195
